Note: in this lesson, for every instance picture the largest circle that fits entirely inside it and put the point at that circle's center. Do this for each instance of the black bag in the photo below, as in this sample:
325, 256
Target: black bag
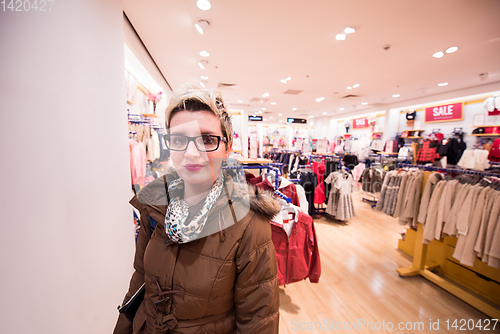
478, 131
129, 308
410, 115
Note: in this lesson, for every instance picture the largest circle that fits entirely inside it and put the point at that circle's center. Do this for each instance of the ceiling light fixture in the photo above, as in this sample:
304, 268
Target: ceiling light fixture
270, 117
273, 103
280, 114
364, 103
202, 64
311, 116
442, 84
319, 99
438, 54
452, 49
204, 54
203, 4
263, 108
240, 101
201, 26
349, 30
202, 84
325, 113
294, 109
204, 77
340, 37
349, 87
265, 95
341, 108
396, 95
355, 86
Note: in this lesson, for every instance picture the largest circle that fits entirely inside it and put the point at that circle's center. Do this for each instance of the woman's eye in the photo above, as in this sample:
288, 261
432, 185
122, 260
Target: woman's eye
177, 140
207, 140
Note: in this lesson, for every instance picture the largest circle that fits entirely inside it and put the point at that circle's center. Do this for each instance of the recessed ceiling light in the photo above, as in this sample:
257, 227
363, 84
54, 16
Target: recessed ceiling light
311, 116
270, 116
263, 108
280, 114
240, 101
438, 54
325, 113
364, 103
283, 81
281, 121
396, 95
294, 109
452, 49
355, 86
349, 30
204, 77
341, 108
340, 37
319, 99
201, 26
202, 64
265, 95
203, 4
204, 53
202, 84
442, 84
273, 103
349, 87
288, 79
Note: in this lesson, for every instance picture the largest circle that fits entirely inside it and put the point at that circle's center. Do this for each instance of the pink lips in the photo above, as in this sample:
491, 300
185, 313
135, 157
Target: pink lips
193, 167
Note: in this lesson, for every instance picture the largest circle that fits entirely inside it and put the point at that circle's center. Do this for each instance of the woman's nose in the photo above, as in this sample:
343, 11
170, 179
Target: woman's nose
191, 150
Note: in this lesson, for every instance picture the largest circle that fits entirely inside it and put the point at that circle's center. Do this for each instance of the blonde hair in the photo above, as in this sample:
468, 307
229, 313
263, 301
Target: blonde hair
193, 98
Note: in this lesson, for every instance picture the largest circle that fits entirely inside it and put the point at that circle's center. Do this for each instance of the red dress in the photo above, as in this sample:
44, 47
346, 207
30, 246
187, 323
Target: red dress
319, 194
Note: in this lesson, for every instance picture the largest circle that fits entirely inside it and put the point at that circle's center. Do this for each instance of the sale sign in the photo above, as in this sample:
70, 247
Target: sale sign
445, 113
360, 123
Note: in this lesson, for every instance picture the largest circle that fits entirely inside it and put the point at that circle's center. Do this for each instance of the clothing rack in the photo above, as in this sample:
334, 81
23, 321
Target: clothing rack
419, 266
494, 163
265, 166
448, 170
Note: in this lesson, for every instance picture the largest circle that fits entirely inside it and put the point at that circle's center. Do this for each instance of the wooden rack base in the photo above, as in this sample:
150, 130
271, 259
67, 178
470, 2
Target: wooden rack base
419, 268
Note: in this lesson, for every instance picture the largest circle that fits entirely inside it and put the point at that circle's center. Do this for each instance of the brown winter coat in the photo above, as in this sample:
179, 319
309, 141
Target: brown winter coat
225, 282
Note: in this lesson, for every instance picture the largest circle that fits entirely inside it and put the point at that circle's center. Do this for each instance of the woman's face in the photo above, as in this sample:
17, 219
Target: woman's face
194, 167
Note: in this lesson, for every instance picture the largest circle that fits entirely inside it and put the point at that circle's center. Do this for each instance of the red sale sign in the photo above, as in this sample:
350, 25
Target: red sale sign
360, 123
444, 113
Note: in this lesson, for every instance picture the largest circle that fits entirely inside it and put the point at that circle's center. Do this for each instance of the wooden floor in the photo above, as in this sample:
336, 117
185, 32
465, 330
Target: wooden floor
359, 281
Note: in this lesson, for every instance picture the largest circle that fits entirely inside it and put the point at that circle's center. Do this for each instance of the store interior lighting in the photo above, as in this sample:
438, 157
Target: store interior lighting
396, 95
201, 26
204, 53
203, 4
319, 99
441, 84
202, 64
438, 54
204, 77
452, 49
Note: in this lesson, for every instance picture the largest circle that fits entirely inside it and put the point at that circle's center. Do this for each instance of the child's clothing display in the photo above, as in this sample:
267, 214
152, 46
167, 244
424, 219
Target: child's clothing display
340, 200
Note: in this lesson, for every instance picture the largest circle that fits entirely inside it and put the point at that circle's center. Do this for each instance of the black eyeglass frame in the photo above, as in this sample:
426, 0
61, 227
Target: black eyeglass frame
193, 139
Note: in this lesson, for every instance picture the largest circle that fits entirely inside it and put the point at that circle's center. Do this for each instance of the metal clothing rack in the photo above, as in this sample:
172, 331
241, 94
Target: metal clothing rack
449, 170
265, 166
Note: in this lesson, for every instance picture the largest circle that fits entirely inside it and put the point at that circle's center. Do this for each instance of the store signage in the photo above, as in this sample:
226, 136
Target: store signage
360, 123
255, 118
296, 120
444, 113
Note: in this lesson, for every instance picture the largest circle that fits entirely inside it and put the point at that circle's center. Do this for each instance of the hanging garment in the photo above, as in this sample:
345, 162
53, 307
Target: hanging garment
137, 161
358, 171
391, 146
433, 180
297, 256
340, 203
286, 187
410, 201
475, 159
319, 193
309, 181
494, 154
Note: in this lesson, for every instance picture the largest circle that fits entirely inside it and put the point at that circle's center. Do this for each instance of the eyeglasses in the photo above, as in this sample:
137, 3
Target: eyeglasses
204, 143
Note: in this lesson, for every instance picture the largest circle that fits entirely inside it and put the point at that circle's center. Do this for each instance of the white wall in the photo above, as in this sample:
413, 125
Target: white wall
67, 232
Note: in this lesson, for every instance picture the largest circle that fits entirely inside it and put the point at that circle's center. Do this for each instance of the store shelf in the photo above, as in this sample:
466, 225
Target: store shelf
484, 126
412, 130
485, 134
388, 153
412, 137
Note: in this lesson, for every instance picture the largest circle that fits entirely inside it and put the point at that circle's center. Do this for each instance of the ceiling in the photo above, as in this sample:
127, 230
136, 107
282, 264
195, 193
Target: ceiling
253, 45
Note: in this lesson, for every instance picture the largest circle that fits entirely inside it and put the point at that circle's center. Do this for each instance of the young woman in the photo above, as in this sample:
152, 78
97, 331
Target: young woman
209, 265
